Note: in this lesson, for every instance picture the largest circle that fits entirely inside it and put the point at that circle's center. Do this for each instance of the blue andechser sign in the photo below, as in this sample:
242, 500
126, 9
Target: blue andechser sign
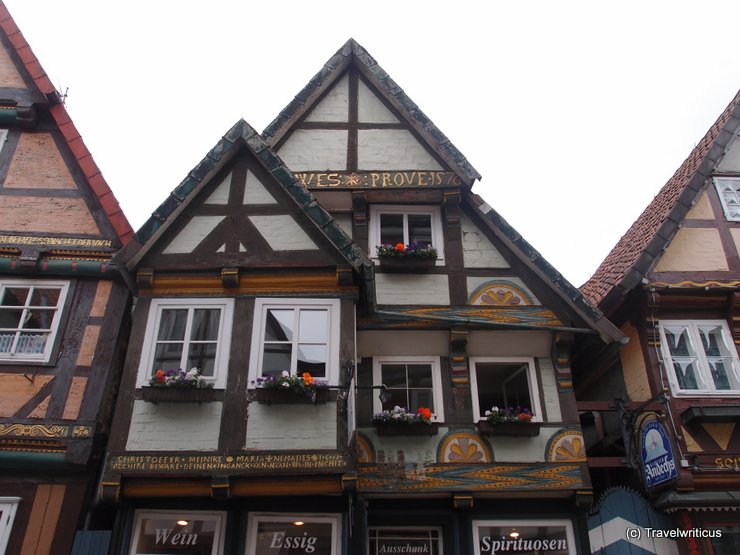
658, 463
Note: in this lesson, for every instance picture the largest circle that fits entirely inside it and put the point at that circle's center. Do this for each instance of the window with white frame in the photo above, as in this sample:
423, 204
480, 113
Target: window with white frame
178, 532
728, 189
390, 225
527, 537
412, 381
8, 507
504, 383
700, 357
185, 334
30, 313
404, 539
295, 336
316, 534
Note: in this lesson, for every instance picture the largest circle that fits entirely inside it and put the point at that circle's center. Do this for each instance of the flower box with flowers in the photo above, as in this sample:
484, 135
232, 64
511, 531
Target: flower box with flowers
286, 389
511, 421
178, 386
414, 257
400, 422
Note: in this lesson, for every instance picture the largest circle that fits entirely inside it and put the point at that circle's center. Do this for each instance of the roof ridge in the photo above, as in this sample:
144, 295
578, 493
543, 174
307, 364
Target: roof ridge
58, 111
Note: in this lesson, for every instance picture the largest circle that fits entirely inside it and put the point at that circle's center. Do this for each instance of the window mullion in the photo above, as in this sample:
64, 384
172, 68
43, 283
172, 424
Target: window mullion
405, 229
186, 339
704, 374
295, 342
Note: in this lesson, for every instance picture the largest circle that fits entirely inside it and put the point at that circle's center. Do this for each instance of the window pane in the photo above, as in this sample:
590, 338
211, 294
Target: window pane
286, 538
276, 358
163, 534
45, 297
172, 325
38, 319
420, 375
391, 229
420, 229
502, 385
205, 324
678, 342
203, 357
14, 296
167, 356
10, 317
393, 375
398, 399
312, 359
279, 325
6, 342
313, 326
31, 343
421, 398
685, 374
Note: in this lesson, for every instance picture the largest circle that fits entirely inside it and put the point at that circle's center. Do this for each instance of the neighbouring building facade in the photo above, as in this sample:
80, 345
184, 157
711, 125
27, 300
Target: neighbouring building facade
344, 245
661, 415
63, 319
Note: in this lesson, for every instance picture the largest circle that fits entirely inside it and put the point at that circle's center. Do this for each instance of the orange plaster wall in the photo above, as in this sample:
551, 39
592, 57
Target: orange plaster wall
53, 215
633, 366
74, 399
38, 164
102, 294
47, 504
16, 391
87, 347
40, 410
9, 76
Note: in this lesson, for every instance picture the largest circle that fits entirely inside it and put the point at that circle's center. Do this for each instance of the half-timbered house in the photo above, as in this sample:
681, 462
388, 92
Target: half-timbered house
661, 414
62, 311
344, 246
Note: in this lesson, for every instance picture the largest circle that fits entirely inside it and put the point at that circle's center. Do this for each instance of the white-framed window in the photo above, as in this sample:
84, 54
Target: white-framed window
404, 539
297, 336
554, 537
174, 532
185, 334
269, 534
406, 224
413, 381
700, 357
8, 507
728, 189
30, 313
502, 383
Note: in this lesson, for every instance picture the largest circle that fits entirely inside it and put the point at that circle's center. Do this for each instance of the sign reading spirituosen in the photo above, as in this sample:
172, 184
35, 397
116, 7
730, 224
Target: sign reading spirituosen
378, 180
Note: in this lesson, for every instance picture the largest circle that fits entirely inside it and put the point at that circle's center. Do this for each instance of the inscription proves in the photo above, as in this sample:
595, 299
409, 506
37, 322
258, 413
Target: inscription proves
185, 463
378, 180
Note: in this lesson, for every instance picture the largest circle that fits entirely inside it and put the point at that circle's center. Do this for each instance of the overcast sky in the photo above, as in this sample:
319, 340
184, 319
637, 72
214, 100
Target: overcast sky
575, 113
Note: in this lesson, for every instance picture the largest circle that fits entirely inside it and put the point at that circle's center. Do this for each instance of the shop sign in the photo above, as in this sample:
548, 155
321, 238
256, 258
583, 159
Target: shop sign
293, 535
185, 532
503, 537
658, 463
424, 541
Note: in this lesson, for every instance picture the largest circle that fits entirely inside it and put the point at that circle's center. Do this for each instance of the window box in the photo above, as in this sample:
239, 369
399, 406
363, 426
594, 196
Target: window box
411, 429
521, 429
278, 397
407, 263
177, 394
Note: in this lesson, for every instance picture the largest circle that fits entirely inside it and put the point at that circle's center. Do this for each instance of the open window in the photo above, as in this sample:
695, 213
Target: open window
700, 357
390, 225
295, 336
504, 383
30, 314
185, 334
412, 381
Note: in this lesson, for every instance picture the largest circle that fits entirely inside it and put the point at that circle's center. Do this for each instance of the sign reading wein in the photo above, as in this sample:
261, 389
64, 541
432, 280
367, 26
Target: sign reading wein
658, 463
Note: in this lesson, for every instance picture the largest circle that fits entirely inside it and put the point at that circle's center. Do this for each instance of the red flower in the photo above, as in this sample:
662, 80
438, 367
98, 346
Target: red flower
424, 413
307, 379
400, 247
524, 417
160, 376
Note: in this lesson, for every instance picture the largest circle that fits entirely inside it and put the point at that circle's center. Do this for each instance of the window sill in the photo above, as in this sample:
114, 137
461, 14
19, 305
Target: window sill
177, 395
525, 429
407, 264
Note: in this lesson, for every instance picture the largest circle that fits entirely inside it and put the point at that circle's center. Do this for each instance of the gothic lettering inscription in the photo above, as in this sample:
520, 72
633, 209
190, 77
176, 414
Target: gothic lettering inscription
378, 180
55, 241
242, 463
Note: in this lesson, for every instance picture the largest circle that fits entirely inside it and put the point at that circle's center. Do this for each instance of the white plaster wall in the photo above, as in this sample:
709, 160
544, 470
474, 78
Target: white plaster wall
255, 192
370, 109
403, 289
549, 390
174, 427
192, 234
345, 222
221, 194
731, 160
478, 251
315, 150
509, 343
403, 343
392, 149
283, 233
273, 427
334, 106
694, 250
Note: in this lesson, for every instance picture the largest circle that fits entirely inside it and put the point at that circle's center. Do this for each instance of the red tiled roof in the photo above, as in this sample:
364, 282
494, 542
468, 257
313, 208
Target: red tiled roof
621, 262
58, 111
